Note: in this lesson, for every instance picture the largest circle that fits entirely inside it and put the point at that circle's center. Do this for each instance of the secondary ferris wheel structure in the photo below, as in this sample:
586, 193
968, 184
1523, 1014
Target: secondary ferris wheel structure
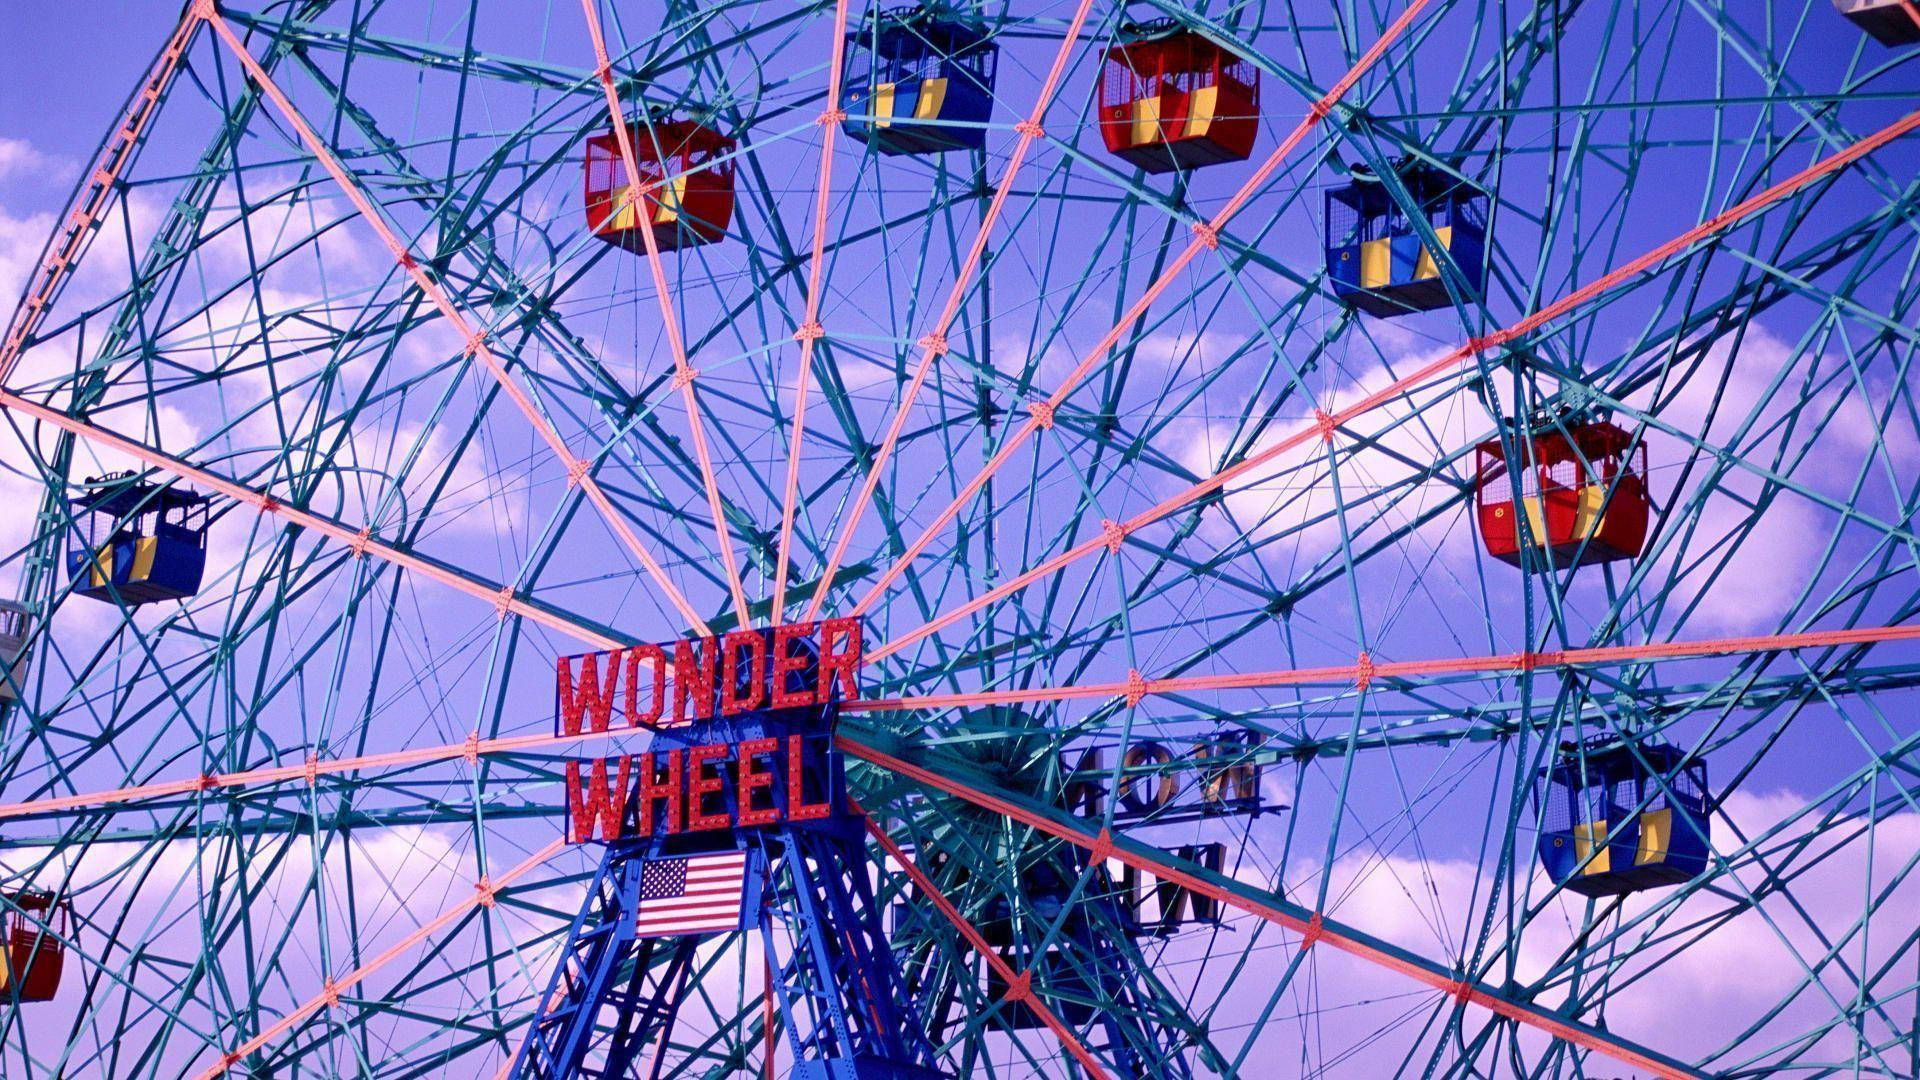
1076, 539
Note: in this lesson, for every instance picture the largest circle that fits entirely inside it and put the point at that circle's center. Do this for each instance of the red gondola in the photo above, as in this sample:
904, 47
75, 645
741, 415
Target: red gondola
1171, 99
30, 964
1891, 22
686, 181
1584, 493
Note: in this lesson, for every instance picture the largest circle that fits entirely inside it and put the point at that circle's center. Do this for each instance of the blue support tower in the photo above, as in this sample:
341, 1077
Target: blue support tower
606, 968
842, 1000
759, 789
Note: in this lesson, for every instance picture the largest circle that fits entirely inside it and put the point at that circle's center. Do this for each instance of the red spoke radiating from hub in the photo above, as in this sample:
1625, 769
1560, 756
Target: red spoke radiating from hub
579, 471
91, 204
934, 344
360, 542
1313, 926
810, 329
684, 373
483, 896
1205, 238
1453, 362
1366, 670
1019, 987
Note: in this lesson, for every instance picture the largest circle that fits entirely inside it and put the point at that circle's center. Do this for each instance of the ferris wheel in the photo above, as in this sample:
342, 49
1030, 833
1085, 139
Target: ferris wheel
1164, 539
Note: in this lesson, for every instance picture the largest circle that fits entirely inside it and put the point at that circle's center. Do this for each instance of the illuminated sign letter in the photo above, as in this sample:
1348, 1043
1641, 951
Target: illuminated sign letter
657, 784
790, 687
636, 717
841, 666
1086, 796
693, 680
704, 779
798, 808
752, 778
750, 677
1237, 778
595, 809
587, 701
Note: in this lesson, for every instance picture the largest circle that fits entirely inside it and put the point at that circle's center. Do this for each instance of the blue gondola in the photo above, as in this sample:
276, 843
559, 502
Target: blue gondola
1617, 819
1376, 259
919, 82
137, 542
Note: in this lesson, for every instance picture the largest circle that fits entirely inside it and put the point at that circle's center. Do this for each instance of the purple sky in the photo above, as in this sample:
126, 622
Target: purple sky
69, 70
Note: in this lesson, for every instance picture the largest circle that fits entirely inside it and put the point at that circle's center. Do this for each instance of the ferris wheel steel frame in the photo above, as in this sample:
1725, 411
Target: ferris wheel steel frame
1328, 429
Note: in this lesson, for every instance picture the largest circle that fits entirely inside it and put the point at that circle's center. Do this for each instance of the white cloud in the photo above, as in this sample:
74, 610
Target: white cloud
1287, 495
20, 158
1834, 437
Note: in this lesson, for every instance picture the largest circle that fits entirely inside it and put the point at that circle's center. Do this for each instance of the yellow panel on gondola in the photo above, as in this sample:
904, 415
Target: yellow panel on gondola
1586, 838
666, 206
1656, 832
1588, 520
1201, 106
672, 198
1376, 264
1425, 268
143, 558
1146, 120
933, 94
625, 214
883, 105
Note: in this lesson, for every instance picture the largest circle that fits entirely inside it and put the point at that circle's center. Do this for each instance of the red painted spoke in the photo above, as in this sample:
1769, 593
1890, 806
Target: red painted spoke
810, 329
579, 471
1366, 669
483, 894
1452, 363
90, 206
934, 344
1314, 927
360, 541
1205, 238
1020, 986
591, 742
684, 373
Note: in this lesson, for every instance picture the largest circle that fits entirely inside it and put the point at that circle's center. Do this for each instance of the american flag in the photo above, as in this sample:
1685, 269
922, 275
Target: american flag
700, 894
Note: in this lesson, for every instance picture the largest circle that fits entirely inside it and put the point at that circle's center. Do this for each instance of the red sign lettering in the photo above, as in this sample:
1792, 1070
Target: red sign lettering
716, 785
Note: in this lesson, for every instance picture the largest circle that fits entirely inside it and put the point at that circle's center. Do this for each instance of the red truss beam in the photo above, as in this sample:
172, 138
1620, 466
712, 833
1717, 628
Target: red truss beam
483, 895
1326, 425
684, 373
934, 344
1361, 673
90, 206
361, 542
810, 330
579, 470
1314, 928
1019, 986
1365, 670
1206, 238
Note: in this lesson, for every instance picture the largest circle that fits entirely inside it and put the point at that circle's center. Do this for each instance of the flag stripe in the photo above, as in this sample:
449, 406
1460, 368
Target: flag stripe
699, 894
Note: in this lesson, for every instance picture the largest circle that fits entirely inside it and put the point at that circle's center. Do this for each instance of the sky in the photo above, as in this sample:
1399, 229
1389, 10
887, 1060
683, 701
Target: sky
1408, 862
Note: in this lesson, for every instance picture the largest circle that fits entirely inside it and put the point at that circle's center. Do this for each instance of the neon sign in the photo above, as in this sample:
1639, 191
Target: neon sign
743, 730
